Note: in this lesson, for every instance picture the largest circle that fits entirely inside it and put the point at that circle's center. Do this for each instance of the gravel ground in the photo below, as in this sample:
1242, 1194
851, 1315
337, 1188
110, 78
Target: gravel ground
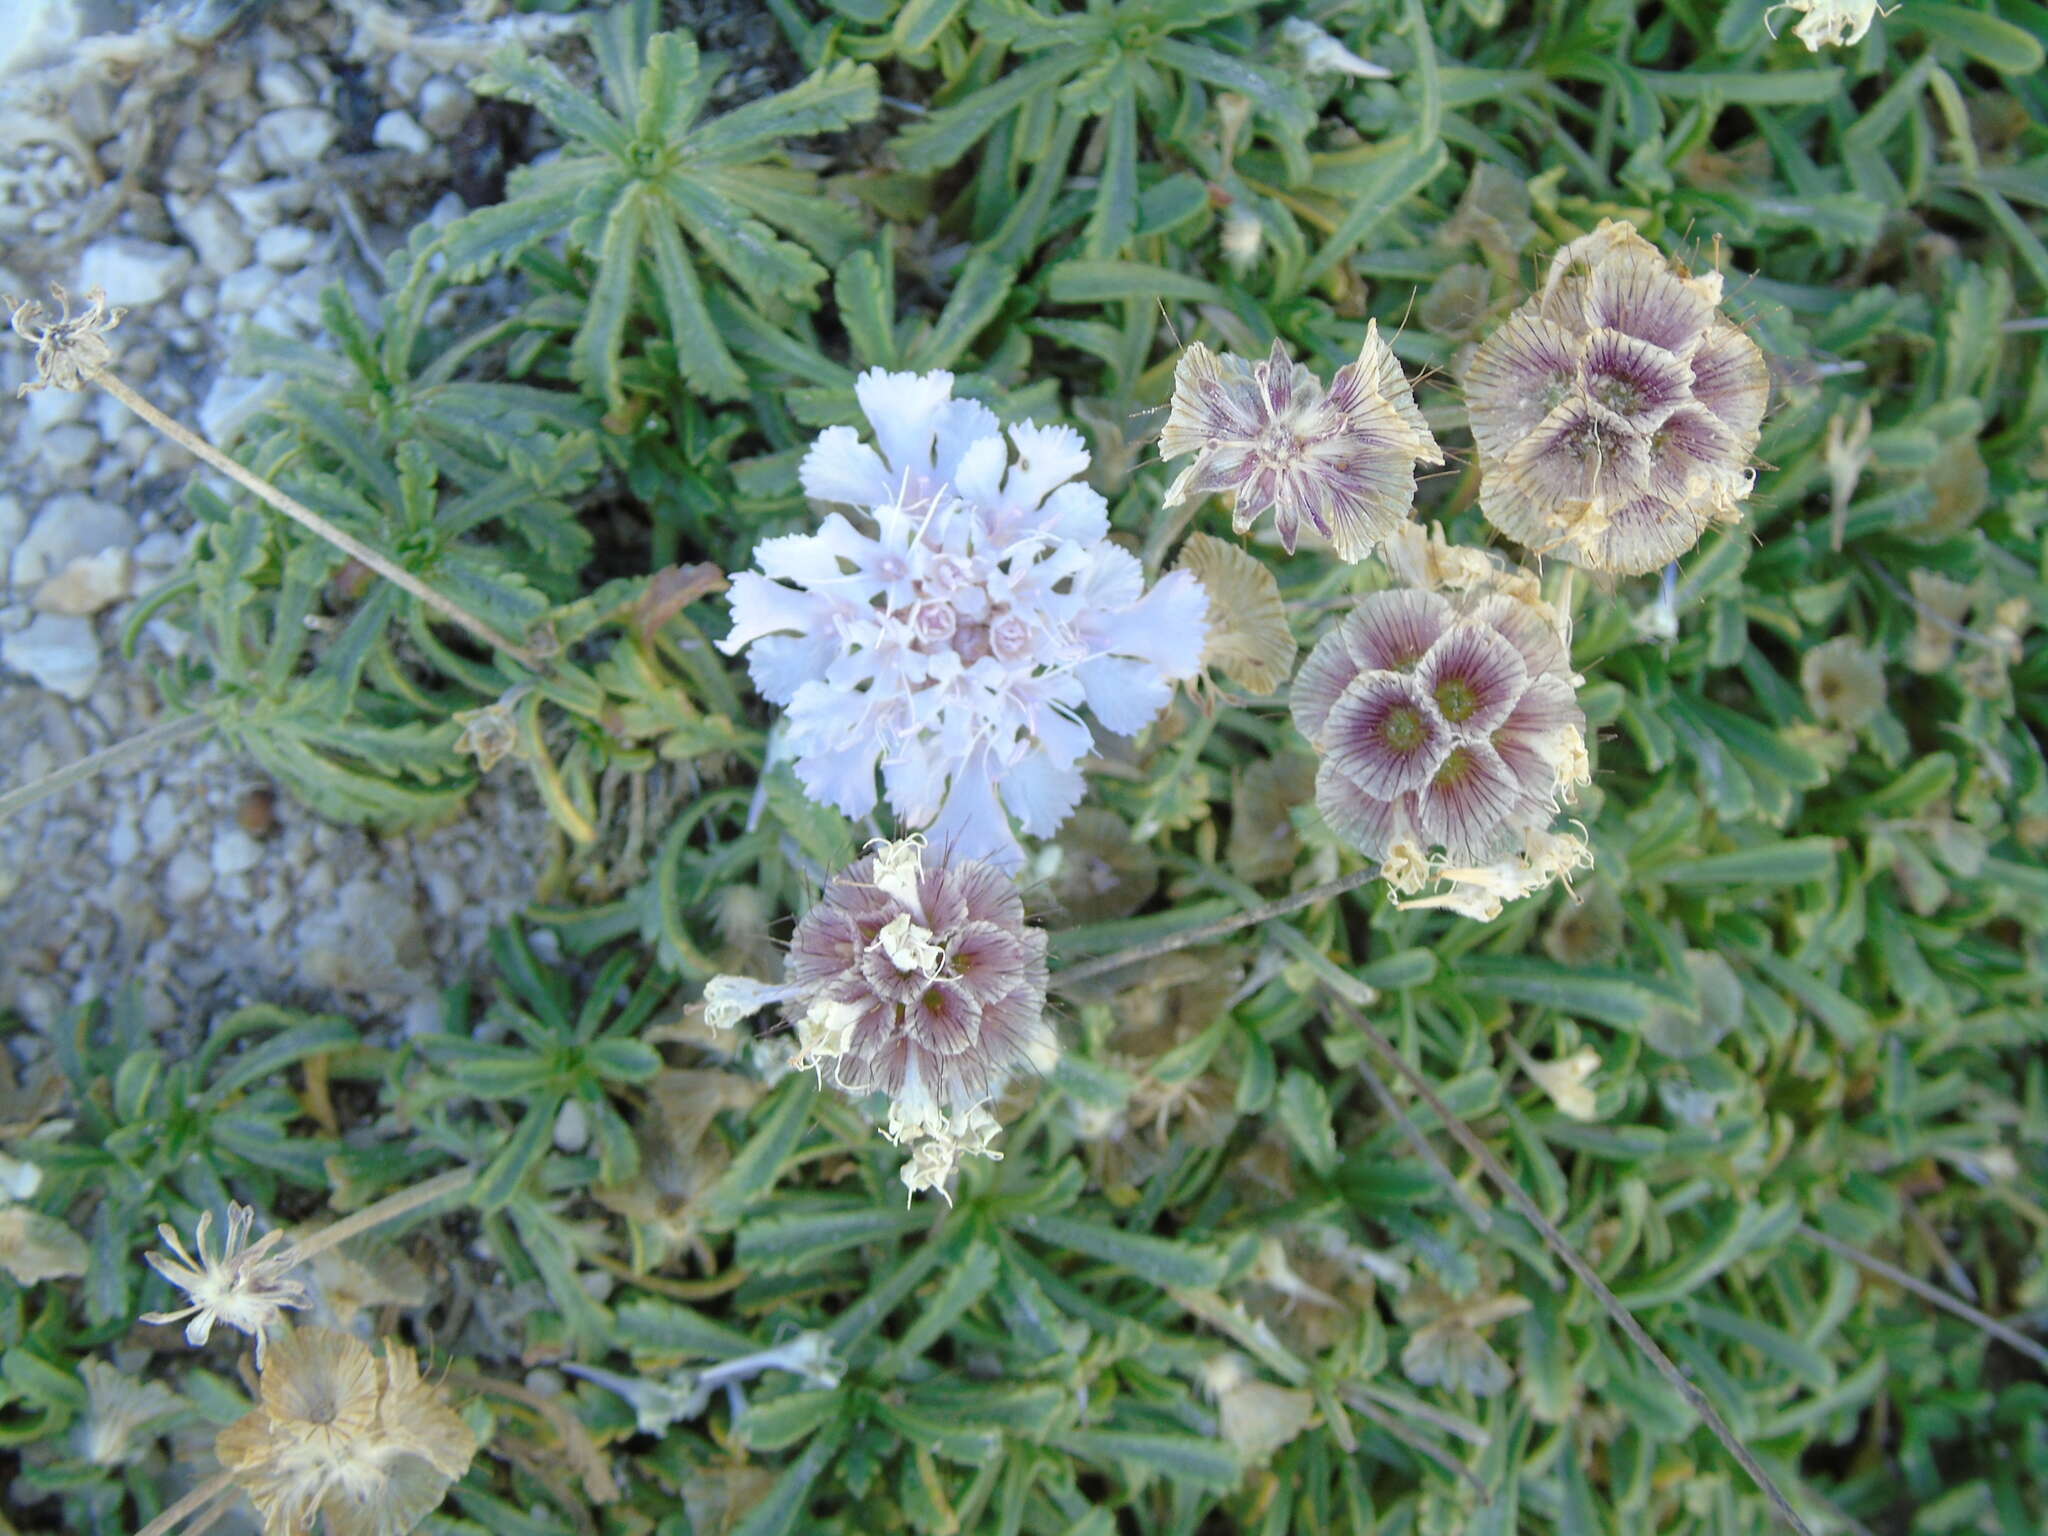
213, 164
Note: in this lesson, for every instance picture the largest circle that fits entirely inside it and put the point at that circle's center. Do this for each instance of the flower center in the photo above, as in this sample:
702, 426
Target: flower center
1457, 768
1402, 730
1619, 395
1456, 699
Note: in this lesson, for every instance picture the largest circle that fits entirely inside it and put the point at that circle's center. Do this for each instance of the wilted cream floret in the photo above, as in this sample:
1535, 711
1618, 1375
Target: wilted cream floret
343, 1436
1615, 413
118, 1409
245, 1285
1831, 23
1255, 1418
71, 350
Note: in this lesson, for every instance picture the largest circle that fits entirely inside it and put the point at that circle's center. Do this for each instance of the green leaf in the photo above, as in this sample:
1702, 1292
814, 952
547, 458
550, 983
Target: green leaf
601, 337
1304, 1114
1189, 1460
1106, 282
783, 1239
838, 96
1397, 170
777, 1130
947, 134
2006, 48
1162, 1261
1788, 861
1611, 997
502, 1177
785, 1507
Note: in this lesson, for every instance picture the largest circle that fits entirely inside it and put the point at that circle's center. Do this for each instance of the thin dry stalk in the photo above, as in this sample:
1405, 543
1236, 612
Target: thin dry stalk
1927, 1292
192, 1503
1265, 912
119, 755
1590, 1277
390, 1208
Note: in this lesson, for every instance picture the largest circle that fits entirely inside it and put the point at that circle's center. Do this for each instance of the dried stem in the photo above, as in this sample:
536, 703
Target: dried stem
390, 1208
120, 754
1366, 1408
1265, 912
1481, 1217
1590, 1277
1927, 1292
307, 518
192, 1503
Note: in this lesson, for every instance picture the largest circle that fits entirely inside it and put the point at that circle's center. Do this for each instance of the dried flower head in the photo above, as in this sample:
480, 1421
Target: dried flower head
956, 635
1844, 683
1586, 929
1342, 460
35, 1247
1322, 54
119, 1410
491, 734
1830, 23
1447, 1348
1566, 1081
1103, 872
1615, 413
71, 350
1449, 732
1249, 639
245, 1285
1254, 1417
1263, 842
917, 977
339, 1434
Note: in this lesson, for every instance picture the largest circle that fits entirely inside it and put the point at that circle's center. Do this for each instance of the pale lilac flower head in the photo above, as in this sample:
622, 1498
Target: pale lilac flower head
953, 629
1615, 413
1342, 460
1449, 731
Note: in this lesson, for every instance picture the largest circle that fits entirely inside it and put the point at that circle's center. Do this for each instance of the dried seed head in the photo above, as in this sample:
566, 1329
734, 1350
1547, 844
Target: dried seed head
71, 350
245, 1285
491, 734
1615, 413
1103, 872
1343, 460
1449, 732
1249, 641
1844, 683
341, 1434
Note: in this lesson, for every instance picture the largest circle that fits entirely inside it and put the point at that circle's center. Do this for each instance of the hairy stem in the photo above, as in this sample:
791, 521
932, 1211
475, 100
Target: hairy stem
1589, 1276
390, 1208
119, 755
308, 519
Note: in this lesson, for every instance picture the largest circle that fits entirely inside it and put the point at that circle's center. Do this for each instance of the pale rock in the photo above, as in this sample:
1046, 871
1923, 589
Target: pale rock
49, 408
294, 138
124, 841
400, 131
406, 75
67, 528
444, 106
282, 84
235, 852
198, 301
242, 163
37, 30
188, 878
213, 230
87, 584
133, 272
163, 549
69, 447
285, 246
59, 652
243, 291
160, 821
167, 637
268, 202
110, 417
13, 524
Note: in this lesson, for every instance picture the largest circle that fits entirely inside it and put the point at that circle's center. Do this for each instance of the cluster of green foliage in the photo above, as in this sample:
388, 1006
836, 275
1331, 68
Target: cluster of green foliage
1808, 968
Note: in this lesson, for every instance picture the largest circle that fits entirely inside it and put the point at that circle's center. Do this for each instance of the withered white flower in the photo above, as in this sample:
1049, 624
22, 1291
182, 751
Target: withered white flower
344, 1437
35, 1247
491, 734
245, 1285
1831, 23
1255, 1418
118, 1411
72, 349
1448, 1348
1341, 460
1844, 683
1565, 1081
1615, 412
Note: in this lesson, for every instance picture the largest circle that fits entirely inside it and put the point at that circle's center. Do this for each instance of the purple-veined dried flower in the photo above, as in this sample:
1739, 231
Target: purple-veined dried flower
1342, 460
1449, 731
955, 634
917, 978
1615, 413
244, 1285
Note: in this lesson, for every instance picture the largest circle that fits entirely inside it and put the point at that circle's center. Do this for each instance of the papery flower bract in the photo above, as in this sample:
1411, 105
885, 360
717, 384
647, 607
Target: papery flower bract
339, 1434
35, 1246
1449, 732
1844, 682
245, 1285
1447, 1347
1255, 1418
1615, 413
955, 637
929, 990
119, 1409
1249, 639
1341, 460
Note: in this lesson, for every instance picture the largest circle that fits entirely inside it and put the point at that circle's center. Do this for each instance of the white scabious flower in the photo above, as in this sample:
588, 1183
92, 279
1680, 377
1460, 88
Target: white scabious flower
951, 631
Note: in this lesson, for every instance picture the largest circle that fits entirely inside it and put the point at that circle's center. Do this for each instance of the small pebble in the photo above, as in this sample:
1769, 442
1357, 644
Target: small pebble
399, 131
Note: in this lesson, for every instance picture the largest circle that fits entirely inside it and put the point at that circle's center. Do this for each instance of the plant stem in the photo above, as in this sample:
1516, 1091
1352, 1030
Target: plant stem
1927, 1292
1151, 949
141, 744
390, 1208
204, 1494
1589, 1276
307, 518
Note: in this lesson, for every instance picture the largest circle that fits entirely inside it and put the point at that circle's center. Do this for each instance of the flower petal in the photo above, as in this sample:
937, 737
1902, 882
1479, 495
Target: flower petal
1474, 676
1464, 805
1383, 735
